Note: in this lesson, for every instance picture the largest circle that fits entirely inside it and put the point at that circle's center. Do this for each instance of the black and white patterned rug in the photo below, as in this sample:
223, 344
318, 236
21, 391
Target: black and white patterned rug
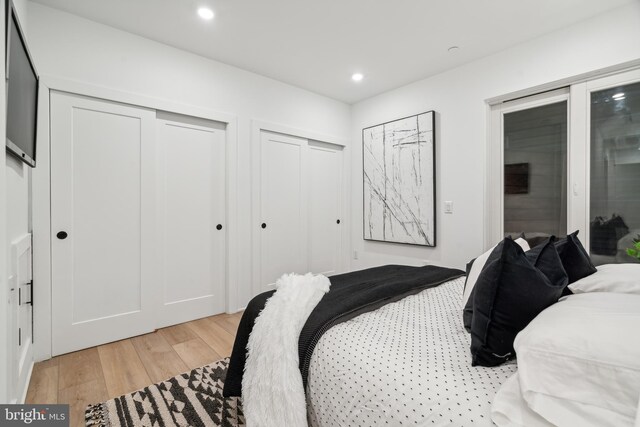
190, 399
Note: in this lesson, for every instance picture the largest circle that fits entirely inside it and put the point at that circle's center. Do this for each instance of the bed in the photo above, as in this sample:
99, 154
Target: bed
407, 363
400, 353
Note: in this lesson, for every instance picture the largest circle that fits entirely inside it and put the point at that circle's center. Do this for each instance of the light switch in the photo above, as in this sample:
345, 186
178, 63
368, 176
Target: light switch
448, 207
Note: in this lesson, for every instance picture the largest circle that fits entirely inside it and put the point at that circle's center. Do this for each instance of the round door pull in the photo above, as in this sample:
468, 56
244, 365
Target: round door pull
219, 227
338, 222
263, 225
61, 235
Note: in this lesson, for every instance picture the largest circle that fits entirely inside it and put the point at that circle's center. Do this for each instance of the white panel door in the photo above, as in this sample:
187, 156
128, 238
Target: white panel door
325, 183
283, 208
102, 221
191, 205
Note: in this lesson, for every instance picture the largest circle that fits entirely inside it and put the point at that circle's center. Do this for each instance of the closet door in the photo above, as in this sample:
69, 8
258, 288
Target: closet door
191, 206
324, 201
283, 208
102, 221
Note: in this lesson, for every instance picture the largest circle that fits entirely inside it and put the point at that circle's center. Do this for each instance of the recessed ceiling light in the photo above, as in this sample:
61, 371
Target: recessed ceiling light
205, 13
356, 77
453, 49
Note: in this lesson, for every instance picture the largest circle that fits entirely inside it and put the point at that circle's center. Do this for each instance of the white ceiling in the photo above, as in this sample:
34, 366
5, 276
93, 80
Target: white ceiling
318, 44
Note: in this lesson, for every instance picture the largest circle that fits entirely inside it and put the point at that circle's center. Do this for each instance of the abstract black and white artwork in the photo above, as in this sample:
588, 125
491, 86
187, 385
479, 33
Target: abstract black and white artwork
399, 180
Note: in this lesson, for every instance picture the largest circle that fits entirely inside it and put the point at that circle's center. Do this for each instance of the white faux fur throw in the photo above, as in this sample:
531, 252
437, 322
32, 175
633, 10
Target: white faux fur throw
272, 391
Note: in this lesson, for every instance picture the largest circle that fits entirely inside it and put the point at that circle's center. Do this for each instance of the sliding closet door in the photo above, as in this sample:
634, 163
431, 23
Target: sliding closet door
102, 221
191, 207
283, 208
325, 218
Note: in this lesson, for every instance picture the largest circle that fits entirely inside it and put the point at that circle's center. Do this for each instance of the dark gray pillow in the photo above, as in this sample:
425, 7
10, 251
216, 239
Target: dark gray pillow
513, 288
535, 241
575, 259
545, 257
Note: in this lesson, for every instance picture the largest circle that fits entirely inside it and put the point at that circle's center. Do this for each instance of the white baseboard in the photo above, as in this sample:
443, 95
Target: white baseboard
26, 385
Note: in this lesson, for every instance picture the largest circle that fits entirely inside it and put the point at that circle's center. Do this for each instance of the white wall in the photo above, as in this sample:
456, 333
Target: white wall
18, 198
4, 291
14, 218
458, 96
73, 48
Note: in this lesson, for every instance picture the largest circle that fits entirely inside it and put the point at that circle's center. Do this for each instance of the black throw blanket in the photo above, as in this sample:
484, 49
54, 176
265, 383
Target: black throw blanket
350, 295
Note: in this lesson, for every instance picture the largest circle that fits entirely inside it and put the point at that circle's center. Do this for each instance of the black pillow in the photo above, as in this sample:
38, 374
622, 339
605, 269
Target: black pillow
554, 272
535, 241
552, 269
545, 258
467, 311
575, 258
513, 288
516, 236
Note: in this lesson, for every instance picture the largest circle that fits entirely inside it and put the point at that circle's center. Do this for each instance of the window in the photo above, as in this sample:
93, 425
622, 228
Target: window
614, 172
535, 171
569, 160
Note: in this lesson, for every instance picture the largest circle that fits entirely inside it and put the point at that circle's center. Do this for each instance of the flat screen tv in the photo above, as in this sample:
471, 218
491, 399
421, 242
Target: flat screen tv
516, 178
22, 92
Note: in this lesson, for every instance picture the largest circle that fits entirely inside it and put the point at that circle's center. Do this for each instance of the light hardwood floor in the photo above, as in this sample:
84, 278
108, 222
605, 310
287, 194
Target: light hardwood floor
107, 371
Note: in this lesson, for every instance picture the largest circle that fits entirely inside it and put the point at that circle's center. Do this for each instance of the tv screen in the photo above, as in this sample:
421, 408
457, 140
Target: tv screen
22, 94
516, 178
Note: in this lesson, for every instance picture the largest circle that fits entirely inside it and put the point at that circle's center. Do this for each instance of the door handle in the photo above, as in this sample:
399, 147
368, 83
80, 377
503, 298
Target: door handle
219, 227
61, 235
264, 225
338, 222
30, 284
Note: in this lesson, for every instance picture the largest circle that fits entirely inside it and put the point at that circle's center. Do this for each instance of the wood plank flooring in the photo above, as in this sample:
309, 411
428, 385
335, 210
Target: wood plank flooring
107, 371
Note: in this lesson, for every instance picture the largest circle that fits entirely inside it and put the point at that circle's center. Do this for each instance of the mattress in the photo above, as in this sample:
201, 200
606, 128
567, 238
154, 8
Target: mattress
407, 363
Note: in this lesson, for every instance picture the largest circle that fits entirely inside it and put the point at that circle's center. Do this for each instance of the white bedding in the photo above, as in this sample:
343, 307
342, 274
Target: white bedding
510, 409
407, 363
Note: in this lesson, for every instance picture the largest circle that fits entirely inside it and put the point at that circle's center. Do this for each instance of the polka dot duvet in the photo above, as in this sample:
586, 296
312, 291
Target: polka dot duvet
407, 363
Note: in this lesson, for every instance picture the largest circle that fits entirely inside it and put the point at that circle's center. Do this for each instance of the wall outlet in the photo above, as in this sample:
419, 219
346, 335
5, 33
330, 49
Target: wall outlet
448, 207
355, 254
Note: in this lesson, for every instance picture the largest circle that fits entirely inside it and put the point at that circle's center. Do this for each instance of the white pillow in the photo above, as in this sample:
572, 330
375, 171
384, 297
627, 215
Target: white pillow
579, 360
621, 278
509, 409
478, 265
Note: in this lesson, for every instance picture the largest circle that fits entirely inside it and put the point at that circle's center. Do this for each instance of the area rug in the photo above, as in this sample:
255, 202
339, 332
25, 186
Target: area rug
190, 399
